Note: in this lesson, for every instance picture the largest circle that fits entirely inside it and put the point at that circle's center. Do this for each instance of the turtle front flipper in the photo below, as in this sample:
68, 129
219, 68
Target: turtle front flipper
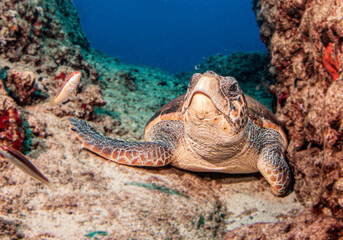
153, 154
274, 168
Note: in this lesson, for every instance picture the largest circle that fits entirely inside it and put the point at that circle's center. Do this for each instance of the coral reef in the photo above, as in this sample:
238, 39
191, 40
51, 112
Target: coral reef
29, 29
82, 105
38, 40
303, 227
10, 230
21, 85
245, 66
304, 40
11, 123
41, 42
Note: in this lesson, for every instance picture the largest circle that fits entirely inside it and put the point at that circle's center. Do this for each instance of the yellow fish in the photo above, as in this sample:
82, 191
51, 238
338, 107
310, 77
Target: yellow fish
21, 161
67, 88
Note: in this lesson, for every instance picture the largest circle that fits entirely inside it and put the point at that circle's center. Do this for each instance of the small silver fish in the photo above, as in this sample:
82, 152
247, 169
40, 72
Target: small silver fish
21, 161
69, 85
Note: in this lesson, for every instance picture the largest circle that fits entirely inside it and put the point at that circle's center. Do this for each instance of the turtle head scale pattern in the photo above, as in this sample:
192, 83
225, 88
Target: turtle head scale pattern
215, 102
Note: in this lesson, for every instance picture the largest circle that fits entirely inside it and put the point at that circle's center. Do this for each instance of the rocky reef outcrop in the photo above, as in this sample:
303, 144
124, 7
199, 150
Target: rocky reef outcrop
305, 43
39, 42
32, 29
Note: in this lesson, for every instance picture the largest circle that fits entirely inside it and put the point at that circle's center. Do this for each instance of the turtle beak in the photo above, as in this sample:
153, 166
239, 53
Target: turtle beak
207, 88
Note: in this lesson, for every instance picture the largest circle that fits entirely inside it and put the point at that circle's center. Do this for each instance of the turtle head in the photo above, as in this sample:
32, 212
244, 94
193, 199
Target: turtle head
214, 107
216, 100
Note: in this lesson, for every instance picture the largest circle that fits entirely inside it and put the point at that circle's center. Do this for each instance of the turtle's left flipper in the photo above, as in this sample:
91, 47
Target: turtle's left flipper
275, 170
21, 161
152, 154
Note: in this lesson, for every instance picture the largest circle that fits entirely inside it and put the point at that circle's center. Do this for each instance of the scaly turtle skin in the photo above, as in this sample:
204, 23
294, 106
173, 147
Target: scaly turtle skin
214, 127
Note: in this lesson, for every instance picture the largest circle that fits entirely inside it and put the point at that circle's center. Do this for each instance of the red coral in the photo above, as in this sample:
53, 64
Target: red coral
61, 76
331, 66
17, 144
36, 27
4, 120
11, 131
84, 106
283, 96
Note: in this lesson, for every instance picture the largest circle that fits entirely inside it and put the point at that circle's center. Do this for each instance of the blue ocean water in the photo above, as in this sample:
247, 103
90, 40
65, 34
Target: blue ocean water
174, 35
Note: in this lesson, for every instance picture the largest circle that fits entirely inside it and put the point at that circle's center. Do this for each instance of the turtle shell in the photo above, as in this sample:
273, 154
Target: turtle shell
170, 111
257, 112
262, 116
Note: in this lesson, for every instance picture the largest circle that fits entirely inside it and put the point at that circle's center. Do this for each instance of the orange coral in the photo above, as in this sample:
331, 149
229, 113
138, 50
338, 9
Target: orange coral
331, 66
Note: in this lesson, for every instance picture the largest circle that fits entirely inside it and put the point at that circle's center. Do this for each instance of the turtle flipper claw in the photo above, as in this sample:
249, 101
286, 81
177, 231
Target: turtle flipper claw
275, 170
128, 153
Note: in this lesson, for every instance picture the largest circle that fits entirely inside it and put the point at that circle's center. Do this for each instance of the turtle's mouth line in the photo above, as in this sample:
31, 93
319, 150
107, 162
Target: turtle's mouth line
204, 119
201, 106
206, 95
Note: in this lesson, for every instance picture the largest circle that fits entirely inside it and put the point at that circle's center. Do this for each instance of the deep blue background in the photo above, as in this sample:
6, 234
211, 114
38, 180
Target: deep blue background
174, 35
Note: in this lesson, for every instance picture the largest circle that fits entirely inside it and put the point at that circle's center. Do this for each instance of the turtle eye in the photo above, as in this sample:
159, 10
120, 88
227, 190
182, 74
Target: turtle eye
229, 87
233, 87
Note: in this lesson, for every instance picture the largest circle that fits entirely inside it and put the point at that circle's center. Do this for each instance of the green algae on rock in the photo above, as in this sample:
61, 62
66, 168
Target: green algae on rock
161, 188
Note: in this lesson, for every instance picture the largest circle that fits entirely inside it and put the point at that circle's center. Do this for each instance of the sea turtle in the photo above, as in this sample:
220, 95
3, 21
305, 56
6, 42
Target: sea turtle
214, 127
